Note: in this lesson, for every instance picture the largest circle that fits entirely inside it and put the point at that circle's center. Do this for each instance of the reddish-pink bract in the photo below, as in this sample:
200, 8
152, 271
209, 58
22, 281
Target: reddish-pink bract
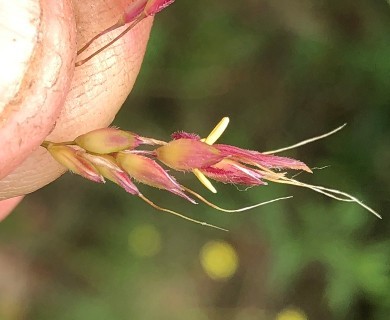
155, 6
188, 154
149, 172
263, 160
228, 171
75, 162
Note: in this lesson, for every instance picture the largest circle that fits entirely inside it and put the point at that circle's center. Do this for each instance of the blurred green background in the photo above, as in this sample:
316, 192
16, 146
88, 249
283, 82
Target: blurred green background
283, 71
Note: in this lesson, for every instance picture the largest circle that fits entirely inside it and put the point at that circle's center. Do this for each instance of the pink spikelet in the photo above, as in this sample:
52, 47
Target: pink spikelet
116, 155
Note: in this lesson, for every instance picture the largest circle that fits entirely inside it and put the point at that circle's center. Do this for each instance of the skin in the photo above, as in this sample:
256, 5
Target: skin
45, 97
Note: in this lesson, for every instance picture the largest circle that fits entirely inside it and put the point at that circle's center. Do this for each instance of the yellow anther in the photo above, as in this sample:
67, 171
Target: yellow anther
202, 178
211, 138
217, 131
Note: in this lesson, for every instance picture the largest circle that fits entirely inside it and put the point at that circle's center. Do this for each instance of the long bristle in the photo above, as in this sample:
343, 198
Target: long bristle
307, 141
331, 193
81, 62
179, 214
113, 27
214, 206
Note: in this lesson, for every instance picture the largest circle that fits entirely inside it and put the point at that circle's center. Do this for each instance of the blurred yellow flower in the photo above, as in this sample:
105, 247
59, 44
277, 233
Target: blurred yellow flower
219, 260
145, 240
291, 314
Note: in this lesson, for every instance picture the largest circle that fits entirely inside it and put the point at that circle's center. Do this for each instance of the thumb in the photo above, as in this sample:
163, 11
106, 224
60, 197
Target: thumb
97, 90
37, 40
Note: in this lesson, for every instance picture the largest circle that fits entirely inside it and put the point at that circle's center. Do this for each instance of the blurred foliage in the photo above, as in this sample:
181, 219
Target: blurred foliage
283, 71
